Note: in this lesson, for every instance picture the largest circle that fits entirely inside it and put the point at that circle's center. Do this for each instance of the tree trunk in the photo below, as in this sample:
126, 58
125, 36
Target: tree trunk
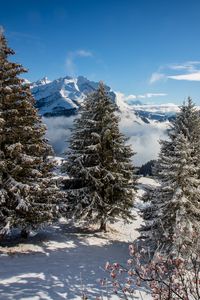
24, 233
103, 226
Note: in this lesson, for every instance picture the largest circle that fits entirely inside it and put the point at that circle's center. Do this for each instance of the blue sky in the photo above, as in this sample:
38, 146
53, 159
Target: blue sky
149, 49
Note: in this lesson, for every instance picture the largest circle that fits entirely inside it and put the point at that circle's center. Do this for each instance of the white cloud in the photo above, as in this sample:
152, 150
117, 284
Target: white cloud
143, 138
146, 145
130, 97
189, 70
70, 64
150, 95
189, 77
58, 132
190, 66
72, 56
156, 77
83, 53
125, 98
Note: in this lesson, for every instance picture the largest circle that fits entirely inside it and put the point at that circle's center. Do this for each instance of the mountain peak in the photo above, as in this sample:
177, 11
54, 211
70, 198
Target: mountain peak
41, 81
63, 96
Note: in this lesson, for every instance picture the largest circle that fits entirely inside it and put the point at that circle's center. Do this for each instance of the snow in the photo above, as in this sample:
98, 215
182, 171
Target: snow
42, 81
54, 268
62, 260
144, 183
61, 95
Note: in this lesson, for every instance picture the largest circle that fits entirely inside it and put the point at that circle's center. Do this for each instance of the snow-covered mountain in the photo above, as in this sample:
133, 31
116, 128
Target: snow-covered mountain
59, 100
63, 96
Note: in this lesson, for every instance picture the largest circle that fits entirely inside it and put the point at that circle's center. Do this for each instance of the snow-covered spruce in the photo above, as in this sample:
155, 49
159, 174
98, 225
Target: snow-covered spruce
175, 205
99, 164
27, 192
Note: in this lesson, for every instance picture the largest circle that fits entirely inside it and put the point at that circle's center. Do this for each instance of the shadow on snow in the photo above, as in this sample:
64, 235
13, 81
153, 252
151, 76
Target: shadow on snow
60, 273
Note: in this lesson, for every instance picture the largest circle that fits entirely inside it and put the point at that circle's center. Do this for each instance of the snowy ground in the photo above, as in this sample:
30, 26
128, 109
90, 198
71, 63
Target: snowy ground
61, 260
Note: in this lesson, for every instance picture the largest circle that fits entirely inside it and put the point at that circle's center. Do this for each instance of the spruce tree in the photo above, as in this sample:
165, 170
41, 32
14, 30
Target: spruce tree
100, 164
27, 192
174, 209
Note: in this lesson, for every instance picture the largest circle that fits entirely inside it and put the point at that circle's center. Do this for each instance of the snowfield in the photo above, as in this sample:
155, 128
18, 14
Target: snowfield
62, 260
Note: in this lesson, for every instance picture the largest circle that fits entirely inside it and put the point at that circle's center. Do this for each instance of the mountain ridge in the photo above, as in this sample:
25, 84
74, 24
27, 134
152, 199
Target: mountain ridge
64, 96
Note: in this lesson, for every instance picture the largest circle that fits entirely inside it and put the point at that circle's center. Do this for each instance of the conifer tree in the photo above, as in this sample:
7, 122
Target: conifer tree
101, 162
174, 208
27, 192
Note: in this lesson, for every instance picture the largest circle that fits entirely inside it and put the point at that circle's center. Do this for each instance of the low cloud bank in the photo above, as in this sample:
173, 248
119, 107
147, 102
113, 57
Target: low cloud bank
145, 142
144, 138
58, 132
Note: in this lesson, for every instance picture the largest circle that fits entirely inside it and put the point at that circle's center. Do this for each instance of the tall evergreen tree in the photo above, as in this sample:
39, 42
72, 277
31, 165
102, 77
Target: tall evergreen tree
26, 191
174, 208
101, 162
